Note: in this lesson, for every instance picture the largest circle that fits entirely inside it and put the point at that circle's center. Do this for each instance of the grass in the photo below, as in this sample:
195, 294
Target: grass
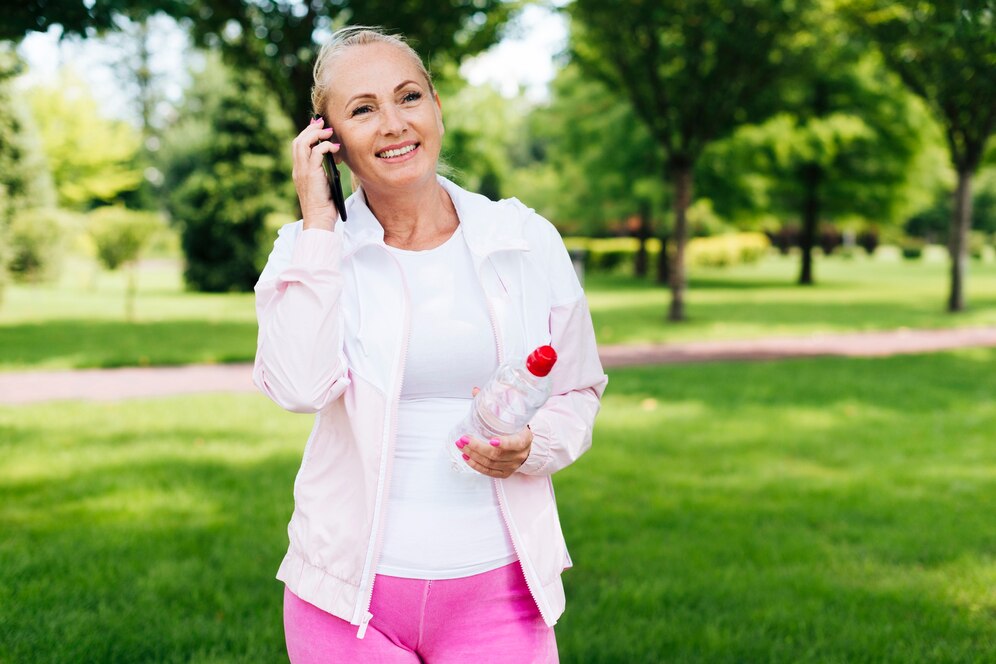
79, 322
762, 300
824, 510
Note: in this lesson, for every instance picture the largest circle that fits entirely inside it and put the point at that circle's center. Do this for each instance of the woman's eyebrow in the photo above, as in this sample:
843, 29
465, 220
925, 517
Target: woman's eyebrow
364, 95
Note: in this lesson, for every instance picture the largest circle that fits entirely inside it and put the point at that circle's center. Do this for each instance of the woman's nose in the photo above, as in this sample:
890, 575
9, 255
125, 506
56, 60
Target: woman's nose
392, 123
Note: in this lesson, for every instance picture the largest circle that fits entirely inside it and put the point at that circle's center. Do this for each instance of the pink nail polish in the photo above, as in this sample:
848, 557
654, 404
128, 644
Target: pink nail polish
462, 443
459, 444
466, 458
495, 442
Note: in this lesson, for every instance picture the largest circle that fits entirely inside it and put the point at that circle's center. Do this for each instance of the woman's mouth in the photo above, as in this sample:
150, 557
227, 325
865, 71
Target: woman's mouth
398, 154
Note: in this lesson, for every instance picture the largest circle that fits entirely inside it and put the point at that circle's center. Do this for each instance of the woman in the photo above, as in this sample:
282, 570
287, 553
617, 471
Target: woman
382, 325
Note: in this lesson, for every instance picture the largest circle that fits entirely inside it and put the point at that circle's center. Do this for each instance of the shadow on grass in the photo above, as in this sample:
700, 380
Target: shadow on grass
89, 343
156, 562
809, 511
746, 533
623, 321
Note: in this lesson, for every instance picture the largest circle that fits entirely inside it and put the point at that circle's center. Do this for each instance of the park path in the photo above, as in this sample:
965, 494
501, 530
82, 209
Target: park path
116, 384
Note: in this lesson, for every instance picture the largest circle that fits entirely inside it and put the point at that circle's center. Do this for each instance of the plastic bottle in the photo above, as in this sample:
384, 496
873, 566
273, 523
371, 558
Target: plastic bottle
506, 403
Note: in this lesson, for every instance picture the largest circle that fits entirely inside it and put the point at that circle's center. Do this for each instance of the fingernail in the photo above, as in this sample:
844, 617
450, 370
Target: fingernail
495, 442
465, 439
460, 444
465, 457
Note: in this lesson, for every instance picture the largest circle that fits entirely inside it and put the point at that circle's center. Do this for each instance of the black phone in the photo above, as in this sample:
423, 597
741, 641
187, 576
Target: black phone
335, 184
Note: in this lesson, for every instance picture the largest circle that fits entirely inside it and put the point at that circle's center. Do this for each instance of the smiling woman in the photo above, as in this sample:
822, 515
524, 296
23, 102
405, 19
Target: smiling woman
383, 326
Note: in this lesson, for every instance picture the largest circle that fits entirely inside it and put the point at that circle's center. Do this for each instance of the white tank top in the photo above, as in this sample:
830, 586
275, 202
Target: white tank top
441, 524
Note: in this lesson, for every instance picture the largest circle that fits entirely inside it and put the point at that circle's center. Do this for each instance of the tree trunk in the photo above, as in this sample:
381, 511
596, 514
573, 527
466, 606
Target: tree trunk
812, 176
130, 292
958, 239
663, 265
682, 198
643, 234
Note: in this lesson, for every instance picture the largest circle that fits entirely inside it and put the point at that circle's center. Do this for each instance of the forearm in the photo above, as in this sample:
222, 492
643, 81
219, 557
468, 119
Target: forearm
299, 359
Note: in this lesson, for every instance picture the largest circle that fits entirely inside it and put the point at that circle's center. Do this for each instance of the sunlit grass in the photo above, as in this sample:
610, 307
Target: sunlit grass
830, 510
762, 300
80, 322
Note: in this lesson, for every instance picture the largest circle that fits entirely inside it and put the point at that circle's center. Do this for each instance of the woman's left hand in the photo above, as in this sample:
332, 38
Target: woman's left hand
498, 457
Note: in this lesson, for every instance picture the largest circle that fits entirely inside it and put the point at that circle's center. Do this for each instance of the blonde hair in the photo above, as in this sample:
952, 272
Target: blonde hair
354, 35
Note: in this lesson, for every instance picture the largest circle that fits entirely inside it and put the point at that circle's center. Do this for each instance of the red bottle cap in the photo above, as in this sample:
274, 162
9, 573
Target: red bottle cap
541, 360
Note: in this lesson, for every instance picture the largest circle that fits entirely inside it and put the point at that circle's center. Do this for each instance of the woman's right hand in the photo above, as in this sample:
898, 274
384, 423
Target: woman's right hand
312, 185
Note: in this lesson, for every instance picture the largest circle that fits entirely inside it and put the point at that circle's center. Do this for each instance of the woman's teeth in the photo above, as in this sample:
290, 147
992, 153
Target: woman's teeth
387, 154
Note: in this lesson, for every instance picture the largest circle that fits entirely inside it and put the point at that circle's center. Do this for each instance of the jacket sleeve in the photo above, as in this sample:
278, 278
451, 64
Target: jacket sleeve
562, 429
300, 363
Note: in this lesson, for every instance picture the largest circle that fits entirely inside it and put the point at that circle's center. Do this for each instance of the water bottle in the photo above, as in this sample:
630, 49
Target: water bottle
506, 403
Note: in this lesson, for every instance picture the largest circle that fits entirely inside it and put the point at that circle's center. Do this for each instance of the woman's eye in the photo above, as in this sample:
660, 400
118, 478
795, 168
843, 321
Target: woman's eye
413, 96
360, 109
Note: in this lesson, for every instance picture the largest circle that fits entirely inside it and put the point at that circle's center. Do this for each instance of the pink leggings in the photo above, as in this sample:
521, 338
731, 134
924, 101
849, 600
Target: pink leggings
485, 618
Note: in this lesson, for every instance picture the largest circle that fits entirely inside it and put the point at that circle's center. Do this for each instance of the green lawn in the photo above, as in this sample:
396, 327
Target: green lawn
79, 322
762, 300
827, 510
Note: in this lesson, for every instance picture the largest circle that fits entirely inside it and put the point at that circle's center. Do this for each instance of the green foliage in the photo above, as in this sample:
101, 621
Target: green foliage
226, 164
279, 40
943, 50
912, 248
37, 238
24, 177
481, 128
74, 17
862, 144
91, 158
693, 72
120, 235
724, 250
591, 163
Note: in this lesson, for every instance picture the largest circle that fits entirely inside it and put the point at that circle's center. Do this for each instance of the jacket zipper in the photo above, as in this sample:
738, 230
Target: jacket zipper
376, 543
513, 534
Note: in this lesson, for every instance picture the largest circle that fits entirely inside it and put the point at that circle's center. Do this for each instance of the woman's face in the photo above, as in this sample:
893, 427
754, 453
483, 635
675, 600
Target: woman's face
389, 123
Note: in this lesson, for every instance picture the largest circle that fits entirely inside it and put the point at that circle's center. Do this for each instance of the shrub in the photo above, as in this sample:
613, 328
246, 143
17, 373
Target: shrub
716, 251
912, 248
120, 234
727, 249
36, 242
976, 244
868, 240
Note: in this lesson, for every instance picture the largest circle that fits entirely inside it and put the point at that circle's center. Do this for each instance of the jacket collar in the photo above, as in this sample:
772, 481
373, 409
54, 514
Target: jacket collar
487, 226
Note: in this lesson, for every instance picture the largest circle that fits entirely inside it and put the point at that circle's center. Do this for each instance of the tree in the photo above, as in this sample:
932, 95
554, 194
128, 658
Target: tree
481, 127
226, 164
120, 235
945, 52
847, 146
693, 73
78, 17
91, 158
280, 39
604, 162
24, 178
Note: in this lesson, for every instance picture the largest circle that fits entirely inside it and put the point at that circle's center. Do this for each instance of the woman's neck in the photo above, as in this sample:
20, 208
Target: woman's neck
422, 218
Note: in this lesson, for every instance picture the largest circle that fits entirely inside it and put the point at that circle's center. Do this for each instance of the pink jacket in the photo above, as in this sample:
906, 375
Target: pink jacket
333, 333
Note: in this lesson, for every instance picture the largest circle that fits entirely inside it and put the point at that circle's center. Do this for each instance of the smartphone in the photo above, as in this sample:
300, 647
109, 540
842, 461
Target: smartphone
335, 184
